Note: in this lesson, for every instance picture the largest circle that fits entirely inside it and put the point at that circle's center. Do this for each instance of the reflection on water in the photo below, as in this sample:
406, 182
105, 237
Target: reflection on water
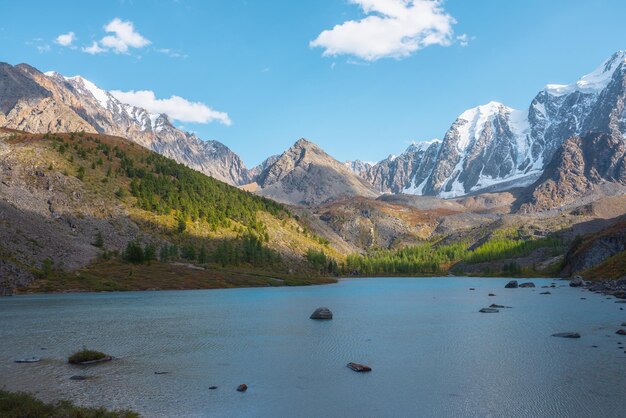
431, 352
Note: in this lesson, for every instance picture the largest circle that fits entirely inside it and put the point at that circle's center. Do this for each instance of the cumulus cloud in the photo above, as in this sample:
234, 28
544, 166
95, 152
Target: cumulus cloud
175, 107
123, 36
66, 39
391, 28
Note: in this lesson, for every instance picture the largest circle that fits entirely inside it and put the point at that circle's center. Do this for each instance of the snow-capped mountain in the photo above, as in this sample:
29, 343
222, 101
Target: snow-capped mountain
50, 102
493, 146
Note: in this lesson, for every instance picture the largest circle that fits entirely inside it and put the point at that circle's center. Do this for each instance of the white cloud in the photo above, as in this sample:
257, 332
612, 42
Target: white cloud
392, 28
175, 107
66, 39
171, 53
93, 49
463, 39
43, 48
123, 37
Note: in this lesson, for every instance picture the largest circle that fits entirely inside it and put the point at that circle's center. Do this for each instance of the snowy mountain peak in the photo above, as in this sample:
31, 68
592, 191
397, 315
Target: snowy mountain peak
85, 86
422, 145
595, 81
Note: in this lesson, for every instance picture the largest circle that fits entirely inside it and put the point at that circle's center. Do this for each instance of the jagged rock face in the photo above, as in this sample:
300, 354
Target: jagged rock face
16, 86
37, 102
580, 166
360, 168
255, 172
406, 173
306, 175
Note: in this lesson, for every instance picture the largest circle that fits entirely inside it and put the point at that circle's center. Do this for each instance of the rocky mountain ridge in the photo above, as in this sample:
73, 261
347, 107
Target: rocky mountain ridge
49, 102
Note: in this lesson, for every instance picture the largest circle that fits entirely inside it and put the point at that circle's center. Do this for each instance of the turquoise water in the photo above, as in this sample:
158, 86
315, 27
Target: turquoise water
431, 352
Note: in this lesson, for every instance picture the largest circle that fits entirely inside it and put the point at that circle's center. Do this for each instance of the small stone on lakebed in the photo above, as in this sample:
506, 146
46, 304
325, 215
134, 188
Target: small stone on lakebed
322, 313
491, 294
359, 367
566, 335
212, 387
79, 377
242, 388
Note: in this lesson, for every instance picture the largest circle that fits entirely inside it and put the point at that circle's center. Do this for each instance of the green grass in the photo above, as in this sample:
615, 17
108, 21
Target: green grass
24, 405
85, 355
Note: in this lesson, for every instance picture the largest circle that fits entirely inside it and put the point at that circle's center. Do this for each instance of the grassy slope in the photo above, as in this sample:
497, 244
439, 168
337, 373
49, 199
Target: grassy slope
285, 234
20, 405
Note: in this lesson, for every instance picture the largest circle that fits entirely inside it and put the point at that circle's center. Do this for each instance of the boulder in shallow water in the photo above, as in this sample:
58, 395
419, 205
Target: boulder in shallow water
527, 284
489, 310
496, 306
621, 332
566, 335
576, 281
242, 388
545, 293
322, 313
511, 285
359, 367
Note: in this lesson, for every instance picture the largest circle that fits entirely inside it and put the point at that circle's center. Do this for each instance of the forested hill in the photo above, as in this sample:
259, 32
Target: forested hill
99, 203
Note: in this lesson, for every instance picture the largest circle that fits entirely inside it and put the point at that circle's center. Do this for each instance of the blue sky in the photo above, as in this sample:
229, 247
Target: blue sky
253, 63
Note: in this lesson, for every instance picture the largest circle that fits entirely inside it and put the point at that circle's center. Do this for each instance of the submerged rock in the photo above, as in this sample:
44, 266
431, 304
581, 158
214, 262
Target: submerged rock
81, 377
545, 293
527, 284
491, 294
28, 360
566, 335
212, 387
621, 332
495, 305
242, 388
359, 367
489, 310
511, 285
322, 313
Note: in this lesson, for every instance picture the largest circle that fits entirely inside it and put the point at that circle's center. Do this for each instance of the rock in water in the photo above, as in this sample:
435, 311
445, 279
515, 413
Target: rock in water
545, 293
359, 367
576, 281
489, 310
567, 335
621, 332
527, 284
496, 306
511, 285
212, 387
322, 313
242, 388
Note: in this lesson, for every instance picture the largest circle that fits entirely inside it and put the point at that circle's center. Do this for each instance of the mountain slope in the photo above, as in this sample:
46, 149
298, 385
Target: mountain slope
71, 202
40, 103
306, 175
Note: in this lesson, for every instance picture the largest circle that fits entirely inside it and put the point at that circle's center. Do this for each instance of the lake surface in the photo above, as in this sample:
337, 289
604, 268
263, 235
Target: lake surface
431, 351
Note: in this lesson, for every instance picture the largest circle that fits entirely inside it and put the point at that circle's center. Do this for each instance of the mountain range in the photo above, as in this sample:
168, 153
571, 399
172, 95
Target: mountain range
488, 148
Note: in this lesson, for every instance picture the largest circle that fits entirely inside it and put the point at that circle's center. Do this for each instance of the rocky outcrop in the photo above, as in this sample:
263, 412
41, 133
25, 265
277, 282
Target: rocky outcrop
511, 285
581, 166
306, 175
594, 249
